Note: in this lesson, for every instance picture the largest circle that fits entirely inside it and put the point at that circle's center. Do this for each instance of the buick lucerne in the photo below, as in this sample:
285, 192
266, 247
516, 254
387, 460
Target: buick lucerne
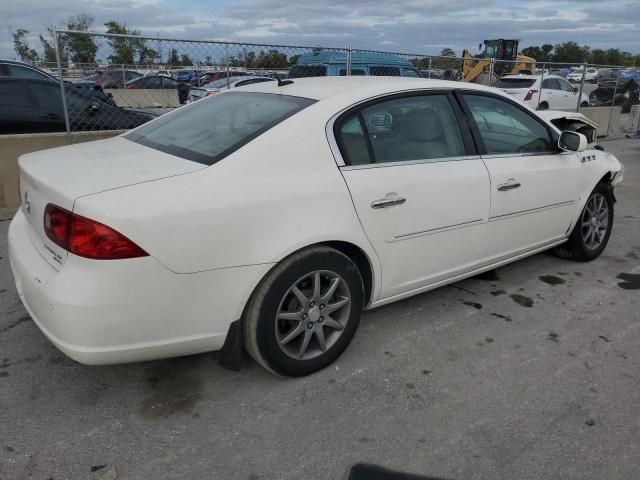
268, 217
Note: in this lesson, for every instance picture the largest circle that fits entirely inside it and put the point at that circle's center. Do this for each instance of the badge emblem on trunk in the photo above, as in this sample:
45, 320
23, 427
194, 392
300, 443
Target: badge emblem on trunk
27, 203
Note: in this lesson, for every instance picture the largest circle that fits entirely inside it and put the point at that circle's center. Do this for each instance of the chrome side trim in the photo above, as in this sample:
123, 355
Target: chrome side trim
431, 231
531, 210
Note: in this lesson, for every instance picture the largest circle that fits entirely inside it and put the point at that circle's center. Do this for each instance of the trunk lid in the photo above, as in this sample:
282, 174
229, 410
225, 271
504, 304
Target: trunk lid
61, 175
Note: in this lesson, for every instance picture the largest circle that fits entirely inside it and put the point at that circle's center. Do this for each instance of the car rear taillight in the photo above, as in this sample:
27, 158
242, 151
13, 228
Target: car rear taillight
130, 85
87, 238
529, 95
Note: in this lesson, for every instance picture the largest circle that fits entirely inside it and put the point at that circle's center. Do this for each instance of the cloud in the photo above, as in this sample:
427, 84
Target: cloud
413, 26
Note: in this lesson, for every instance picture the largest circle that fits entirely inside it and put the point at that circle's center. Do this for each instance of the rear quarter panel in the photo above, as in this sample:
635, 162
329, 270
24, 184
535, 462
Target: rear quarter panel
279, 193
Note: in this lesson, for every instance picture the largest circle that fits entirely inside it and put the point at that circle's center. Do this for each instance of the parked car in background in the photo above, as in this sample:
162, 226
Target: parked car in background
291, 210
28, 105
590, 75
213, 76
550, 92
435, 73
13, 69
629, 75
328, 63
608, 75
115, 78
222, 84
624, 94
154, 82
187, 76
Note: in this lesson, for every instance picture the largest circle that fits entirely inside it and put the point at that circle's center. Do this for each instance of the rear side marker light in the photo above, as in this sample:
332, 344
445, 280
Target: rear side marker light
87, 238
529, 95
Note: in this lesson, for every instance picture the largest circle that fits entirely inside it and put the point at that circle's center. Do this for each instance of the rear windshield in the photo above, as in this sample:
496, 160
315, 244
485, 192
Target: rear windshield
209, 130
301, 71
515, 82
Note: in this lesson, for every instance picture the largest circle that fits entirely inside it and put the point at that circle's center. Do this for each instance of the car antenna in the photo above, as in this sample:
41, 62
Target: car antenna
281, 82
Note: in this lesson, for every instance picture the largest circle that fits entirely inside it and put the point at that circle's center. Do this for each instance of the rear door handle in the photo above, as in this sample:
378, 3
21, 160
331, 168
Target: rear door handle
388, 201
509, 185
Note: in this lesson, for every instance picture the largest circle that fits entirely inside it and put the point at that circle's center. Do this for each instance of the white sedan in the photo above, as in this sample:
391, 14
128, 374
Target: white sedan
270, 217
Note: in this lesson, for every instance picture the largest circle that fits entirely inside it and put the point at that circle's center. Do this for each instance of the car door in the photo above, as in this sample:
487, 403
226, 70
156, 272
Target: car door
552, 94
534, 186
18, 113
49, 106
420, 190
570, 93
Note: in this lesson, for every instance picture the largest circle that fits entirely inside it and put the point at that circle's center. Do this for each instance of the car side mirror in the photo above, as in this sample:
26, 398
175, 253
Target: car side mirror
572, 141
575, 89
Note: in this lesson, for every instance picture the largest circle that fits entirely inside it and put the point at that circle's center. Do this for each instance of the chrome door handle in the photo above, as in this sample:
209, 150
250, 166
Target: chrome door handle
509, 185
388, 201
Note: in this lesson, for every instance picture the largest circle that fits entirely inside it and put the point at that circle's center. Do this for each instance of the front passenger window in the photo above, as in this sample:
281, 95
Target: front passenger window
505, 128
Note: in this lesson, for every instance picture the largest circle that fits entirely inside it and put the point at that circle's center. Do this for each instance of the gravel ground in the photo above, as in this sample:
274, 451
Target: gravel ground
465, 382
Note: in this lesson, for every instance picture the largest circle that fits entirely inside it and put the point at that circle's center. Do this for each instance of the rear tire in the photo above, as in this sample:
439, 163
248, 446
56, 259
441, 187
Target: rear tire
305, 312
589, 237
584, 104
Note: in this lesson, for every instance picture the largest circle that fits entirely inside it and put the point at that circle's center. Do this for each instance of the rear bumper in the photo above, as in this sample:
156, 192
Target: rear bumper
102, 312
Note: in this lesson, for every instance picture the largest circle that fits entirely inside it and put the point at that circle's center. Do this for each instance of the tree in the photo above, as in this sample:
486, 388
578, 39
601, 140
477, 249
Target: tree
447, 52
125, 50
80, 48
272, 59
174, 59
570, 52
185, 59
541, 54
22, 48
48, 51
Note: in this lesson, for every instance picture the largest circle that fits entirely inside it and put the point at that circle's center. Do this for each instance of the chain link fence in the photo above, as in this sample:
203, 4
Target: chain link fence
136, 78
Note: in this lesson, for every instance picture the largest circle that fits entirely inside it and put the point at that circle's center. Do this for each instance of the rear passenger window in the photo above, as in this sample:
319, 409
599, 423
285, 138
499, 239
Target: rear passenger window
14, 94
402, 129
505, 128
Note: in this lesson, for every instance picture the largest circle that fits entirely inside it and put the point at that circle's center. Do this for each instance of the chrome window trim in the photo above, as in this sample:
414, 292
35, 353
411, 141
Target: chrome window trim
335, 150
409, 162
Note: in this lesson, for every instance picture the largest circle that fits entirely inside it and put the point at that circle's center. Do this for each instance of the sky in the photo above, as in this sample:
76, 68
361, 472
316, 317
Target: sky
407, 26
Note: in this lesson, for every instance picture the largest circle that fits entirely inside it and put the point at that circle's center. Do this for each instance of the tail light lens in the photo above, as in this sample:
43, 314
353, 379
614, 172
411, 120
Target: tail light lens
130, 85
87, 238
529, 95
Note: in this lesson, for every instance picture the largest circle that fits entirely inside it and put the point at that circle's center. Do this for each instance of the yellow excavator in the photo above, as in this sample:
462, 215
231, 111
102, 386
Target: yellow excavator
506, 61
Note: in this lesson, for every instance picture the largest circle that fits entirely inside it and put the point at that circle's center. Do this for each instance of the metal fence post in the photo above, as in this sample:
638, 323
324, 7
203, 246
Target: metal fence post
349, 55
429, 67
584, 74
226, 60
491, 68
541, 86
615, 89
62, 91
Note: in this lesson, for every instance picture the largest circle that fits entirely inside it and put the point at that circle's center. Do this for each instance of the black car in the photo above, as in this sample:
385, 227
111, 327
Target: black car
13, 69
115, 78
626, 93
31, 106
154, 82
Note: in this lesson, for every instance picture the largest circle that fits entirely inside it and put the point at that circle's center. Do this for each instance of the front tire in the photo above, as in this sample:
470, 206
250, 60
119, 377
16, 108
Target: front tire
305, 312
591, 233
543, 106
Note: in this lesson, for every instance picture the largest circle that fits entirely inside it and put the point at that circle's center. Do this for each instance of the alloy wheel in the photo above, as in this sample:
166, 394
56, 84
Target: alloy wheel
312, 314
595, 221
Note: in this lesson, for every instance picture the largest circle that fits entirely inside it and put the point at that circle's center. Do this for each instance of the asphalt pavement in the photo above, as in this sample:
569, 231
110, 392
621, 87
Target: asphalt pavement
528, 372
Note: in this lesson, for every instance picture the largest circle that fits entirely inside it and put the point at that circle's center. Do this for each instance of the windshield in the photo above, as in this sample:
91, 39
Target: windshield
209, 130
515, 83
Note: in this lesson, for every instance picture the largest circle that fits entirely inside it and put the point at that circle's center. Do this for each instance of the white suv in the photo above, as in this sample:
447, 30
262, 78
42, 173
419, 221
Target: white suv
548, 92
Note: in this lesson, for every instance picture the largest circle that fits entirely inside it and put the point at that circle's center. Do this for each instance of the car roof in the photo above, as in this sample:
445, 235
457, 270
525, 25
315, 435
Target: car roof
318, 88
328, 57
